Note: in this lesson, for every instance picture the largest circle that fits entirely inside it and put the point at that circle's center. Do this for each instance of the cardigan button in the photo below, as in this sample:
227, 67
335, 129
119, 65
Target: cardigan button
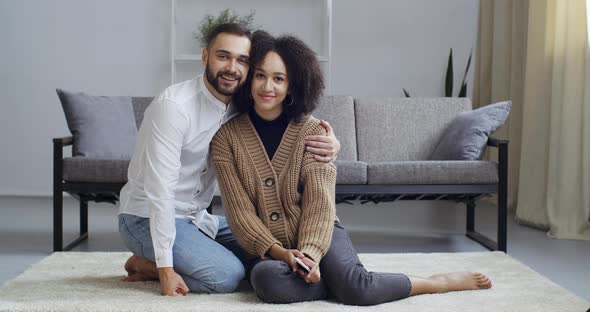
269, 182
274, 216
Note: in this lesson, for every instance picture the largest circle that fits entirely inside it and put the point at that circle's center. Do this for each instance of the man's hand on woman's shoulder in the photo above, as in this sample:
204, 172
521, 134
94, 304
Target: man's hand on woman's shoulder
324, 147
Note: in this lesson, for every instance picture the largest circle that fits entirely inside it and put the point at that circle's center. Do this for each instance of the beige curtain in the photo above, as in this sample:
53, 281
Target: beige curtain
536, 54
499, 74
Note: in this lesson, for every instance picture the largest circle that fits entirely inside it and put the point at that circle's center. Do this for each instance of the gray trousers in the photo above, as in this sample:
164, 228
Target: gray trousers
343, 277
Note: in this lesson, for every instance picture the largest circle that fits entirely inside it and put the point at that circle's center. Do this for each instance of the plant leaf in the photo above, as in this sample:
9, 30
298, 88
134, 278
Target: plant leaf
463, 83
449, 77
463, 91
406, 92
209, 23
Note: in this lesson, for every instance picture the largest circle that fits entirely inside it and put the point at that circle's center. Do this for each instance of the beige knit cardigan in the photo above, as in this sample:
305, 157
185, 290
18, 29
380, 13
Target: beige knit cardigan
288, 201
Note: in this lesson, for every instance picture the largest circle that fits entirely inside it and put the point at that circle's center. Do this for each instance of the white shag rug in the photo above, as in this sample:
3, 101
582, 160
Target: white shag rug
91, 281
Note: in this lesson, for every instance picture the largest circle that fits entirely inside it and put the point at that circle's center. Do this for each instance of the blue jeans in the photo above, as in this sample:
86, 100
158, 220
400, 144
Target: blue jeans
205, 265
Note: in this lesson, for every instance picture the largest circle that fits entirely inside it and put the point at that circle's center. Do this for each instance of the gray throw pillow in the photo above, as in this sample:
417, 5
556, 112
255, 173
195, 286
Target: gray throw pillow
467, 135
102, 126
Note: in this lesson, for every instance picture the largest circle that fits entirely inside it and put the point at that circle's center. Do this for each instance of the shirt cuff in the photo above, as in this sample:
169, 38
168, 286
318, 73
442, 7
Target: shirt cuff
164, 259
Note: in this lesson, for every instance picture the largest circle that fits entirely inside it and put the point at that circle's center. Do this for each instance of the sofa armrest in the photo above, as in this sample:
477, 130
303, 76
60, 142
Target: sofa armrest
65, 141
502, 146
58, 146
497, 142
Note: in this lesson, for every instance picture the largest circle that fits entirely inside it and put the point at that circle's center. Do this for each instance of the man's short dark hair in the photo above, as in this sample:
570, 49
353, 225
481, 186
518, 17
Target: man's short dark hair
306, 81
228, 28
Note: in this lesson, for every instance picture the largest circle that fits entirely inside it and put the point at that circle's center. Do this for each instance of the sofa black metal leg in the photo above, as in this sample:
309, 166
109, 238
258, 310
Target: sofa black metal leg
502, 223
57, 219
83, 224
57, 198
58, 188
58, 222
470, 225
472, 233
83, 215
503, 198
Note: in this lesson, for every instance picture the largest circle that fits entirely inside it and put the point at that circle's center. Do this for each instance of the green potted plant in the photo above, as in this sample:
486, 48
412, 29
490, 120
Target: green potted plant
209, 22
449, 78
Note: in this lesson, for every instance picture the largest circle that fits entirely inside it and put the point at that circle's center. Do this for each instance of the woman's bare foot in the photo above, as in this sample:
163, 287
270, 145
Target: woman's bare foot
462, 281
456, 281
140, 269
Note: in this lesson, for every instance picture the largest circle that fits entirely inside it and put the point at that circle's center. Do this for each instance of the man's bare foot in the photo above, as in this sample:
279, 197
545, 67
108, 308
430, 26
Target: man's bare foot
136, 277
457, 281
140, 269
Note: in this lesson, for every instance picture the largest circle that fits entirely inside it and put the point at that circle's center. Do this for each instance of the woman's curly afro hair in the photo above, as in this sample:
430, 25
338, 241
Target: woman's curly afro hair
306, 81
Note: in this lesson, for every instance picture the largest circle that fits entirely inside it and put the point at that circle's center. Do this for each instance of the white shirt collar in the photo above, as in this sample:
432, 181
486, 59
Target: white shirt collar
219, 104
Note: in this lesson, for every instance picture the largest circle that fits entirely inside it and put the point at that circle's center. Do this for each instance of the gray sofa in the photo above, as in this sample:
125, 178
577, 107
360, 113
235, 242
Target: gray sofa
386, 143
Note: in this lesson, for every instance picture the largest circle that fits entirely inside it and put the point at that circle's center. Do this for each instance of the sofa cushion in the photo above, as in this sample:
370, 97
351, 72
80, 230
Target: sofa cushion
102, 126
467, 135
339, 112
83, 169
433, 172
351, 172
399, 129
139, 106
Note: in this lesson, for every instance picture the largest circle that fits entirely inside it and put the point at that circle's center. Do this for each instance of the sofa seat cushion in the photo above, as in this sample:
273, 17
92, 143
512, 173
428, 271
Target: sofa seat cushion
433, 172
83, 169
351, 172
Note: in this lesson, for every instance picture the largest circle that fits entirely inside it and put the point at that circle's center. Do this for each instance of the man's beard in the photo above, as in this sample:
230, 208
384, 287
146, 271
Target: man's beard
214, 81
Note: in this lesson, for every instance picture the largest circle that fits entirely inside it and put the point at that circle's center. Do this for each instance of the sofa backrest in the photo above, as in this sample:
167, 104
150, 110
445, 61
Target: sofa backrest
139, 106
339, 112
378, 128
401, 129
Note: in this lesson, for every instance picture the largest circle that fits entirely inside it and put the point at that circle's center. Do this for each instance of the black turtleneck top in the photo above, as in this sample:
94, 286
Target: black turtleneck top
270, 132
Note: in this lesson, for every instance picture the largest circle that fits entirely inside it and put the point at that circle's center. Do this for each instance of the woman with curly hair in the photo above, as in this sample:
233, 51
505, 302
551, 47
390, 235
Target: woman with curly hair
279, 200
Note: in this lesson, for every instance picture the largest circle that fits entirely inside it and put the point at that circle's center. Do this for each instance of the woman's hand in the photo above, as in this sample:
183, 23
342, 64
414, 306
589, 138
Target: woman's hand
286, 255
314, 275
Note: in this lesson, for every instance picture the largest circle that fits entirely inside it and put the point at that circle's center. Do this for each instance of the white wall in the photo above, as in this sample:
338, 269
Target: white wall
106, 47
112, 47
382, 46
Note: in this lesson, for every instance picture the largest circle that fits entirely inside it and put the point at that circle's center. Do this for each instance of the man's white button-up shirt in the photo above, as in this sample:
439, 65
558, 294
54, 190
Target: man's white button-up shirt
170, 174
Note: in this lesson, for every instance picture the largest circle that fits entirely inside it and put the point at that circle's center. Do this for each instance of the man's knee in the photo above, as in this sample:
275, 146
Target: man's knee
228, 278
217, 278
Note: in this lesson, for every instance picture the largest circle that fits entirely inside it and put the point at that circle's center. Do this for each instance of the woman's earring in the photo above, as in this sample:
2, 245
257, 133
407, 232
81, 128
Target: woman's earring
292, 100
